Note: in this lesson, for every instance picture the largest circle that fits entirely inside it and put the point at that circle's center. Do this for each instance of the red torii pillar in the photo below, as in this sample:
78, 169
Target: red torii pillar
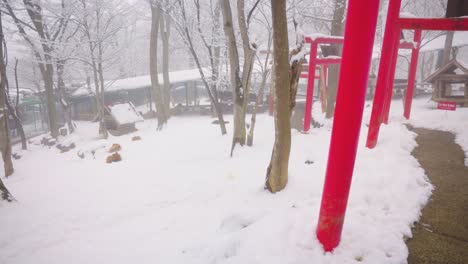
357, 52
313, 61
412, 73
391, 76
380, 97
310, 85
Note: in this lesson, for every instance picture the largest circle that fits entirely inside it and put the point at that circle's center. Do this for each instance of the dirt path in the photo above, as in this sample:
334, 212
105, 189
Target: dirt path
441, 236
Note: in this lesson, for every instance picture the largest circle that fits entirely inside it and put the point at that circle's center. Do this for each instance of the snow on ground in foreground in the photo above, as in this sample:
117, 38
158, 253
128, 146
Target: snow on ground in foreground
177, 197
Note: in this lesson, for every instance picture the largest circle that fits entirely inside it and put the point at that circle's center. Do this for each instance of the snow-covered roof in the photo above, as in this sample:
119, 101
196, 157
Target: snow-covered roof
125, 114
450, 66
145, 81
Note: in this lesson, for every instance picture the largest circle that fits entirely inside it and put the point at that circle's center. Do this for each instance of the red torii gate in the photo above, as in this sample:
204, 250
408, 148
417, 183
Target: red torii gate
313, 61
384, 88
357, 50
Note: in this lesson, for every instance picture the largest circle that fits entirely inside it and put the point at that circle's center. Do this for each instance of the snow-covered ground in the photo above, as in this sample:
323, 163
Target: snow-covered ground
177, 197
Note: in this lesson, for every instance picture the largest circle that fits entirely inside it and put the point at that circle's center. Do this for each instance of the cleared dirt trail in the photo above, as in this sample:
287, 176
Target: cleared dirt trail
441, 235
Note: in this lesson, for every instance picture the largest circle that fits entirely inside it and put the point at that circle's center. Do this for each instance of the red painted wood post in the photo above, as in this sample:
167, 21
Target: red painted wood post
310, 86
386, 55
391, 77
357, 52
412, 73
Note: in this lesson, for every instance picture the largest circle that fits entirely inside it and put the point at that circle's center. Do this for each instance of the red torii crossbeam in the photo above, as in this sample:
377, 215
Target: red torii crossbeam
313, 61
384, 88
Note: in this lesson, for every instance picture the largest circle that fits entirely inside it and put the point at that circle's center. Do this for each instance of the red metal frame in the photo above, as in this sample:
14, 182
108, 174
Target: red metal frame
384, 88
352, 87
313, 61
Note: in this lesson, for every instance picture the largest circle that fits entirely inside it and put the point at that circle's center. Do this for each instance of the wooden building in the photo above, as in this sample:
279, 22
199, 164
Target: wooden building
450, 83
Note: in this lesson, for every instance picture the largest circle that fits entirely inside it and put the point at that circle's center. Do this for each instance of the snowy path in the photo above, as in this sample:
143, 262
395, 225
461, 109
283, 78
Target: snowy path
177, 197
441, 236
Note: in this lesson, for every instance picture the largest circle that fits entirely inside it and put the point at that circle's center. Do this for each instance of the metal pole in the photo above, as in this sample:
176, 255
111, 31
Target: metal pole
412, 74
310, 86
383, 75
357, 52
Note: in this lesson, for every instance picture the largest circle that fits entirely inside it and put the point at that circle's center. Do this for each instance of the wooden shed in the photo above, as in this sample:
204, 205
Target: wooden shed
450, 83
120, 119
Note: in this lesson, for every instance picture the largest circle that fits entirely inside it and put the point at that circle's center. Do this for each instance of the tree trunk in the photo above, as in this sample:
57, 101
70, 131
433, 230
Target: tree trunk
62, 96
102, 122
260, 94
50, 99
238, 90
99, 101
100, 74
334, 70
157, 95
446, 88
165, 27
5, 144
446, 55
253, 119
277, 171
4, 193
14, 111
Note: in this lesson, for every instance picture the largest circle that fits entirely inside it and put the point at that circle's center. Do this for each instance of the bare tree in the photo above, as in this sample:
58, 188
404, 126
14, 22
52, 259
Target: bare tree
165, 28
13, 110
63, 51
42, 51
265, 72
161, 114
277, 171
5, 143
240, 81
98, 24
184, 30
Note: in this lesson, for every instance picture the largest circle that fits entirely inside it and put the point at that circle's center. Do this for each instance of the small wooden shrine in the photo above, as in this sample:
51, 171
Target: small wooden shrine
450, 83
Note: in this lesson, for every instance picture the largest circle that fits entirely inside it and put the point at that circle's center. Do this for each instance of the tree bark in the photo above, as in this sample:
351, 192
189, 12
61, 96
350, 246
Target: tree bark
444, 58
260, 94
446, 55
165, 27
14, 110
253, 119
334, 70
238, 90
5, 143
4, 193
277, 171
62, 96
157, 95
